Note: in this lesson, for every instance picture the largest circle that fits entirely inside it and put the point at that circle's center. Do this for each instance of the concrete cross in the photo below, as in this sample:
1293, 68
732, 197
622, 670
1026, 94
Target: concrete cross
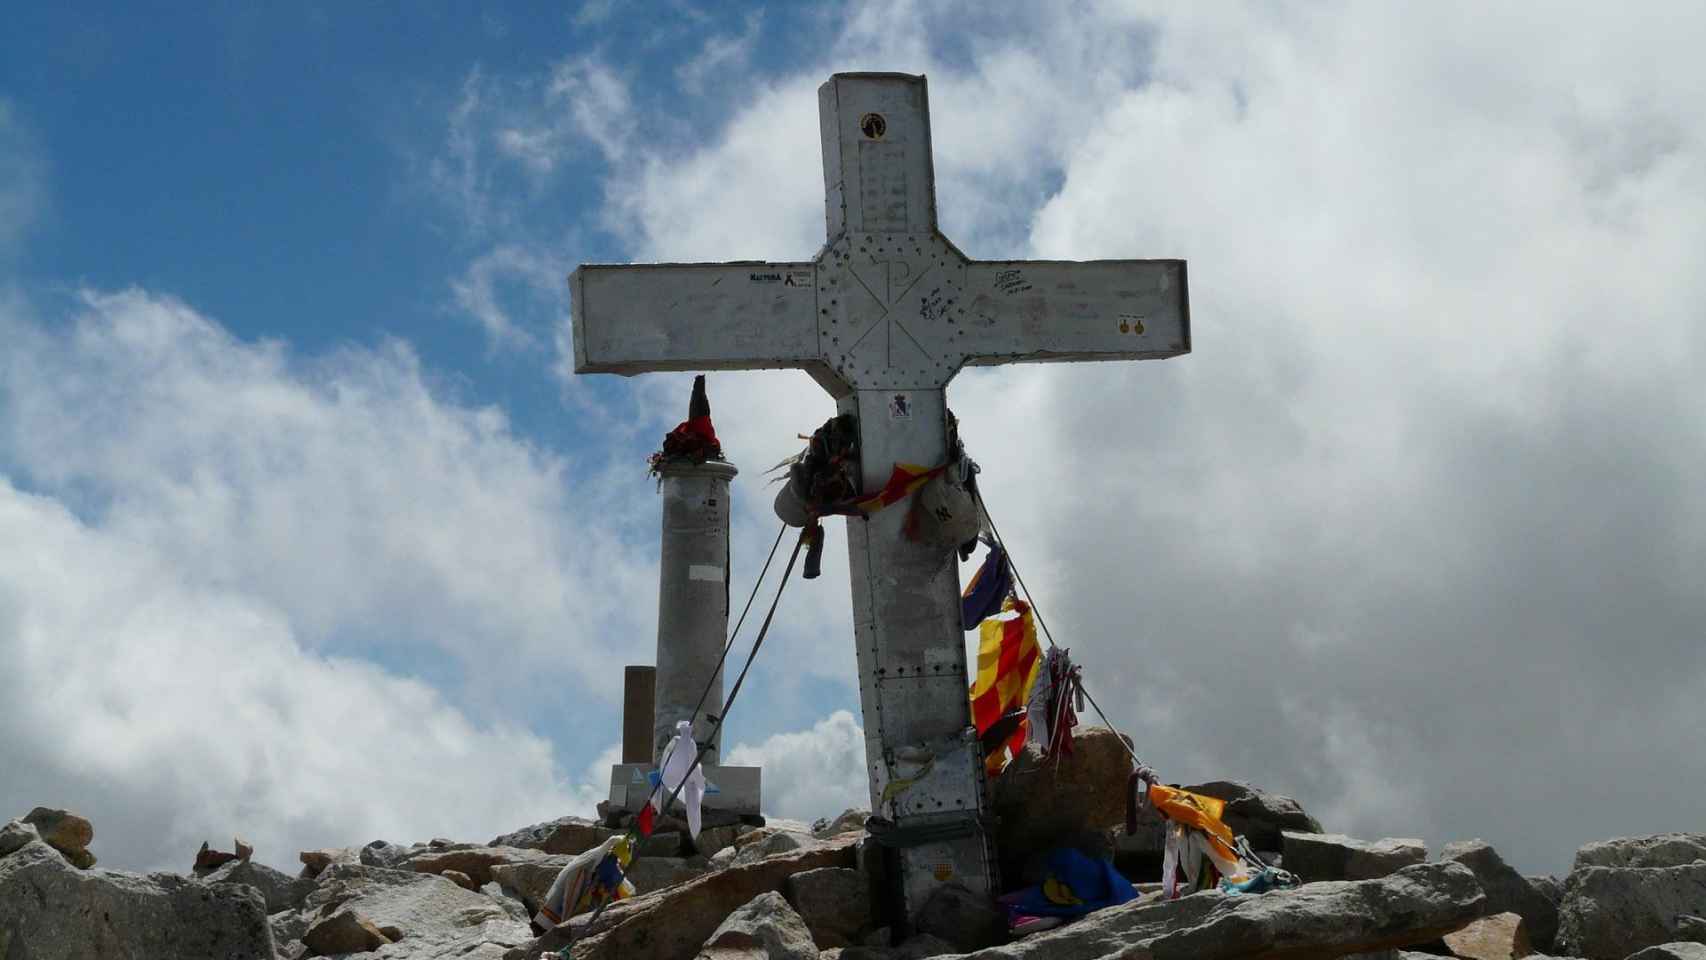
883, 317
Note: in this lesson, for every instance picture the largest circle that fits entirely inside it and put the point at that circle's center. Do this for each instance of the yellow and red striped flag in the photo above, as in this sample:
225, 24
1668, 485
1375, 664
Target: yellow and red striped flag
903, 480
1007, 663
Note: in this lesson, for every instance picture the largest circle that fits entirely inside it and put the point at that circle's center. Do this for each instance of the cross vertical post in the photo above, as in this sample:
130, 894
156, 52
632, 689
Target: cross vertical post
883, 318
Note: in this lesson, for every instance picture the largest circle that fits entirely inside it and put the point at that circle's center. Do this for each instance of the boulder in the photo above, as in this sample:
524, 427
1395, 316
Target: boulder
475, 863
563, 836
1610, 912
245, 849
509, 901
661, 844
460, 879
314, 862
345, 931
713, 839
280, 890
964, 918
649, 874
1257, 815
774, 844
1507, 890
49, 910
1653, 850
15, 835
66, 832
1501, 936
381, 853
1546, 885
834, 902
1672, 951
765, 928
1333, 856
431, 916
1043, 802
1415, 905
850, 821
673, 923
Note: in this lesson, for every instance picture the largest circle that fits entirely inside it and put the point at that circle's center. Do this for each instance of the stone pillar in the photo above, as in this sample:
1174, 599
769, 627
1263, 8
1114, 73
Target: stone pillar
639, 705
693, 597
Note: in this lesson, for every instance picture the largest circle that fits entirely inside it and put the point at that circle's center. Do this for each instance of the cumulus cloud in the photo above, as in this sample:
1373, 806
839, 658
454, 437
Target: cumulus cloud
810, 773
1412, 534
311, 600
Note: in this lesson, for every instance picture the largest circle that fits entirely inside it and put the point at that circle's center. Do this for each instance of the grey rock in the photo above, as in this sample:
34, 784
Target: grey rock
381, 853
858, 953
47, 907
674, 923
835, 903
1610, 912
1653, 850
1333, 856
476, 863
713, 839
766, 928
1258, 815
724, 858
661, 844
1507, 890
1672, 951
345, 931
774, 844
433, 917
1547, 886
511, 903
14, 835
655, 873
1691, 928
565, 835
280, 890
850, 821
530, 881
314, 862
1416, 905
965, 918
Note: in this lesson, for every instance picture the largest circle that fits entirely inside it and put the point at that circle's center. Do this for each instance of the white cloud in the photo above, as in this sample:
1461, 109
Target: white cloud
206, 529
490, 285
810, 773
170, 710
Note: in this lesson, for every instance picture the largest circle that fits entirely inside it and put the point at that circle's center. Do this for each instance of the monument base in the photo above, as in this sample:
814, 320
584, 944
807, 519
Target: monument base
737, 788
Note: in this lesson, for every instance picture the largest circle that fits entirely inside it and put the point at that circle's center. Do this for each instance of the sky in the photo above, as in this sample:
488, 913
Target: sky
311, 535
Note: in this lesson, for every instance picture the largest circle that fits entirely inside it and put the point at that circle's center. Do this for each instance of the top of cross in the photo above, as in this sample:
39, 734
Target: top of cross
888, 302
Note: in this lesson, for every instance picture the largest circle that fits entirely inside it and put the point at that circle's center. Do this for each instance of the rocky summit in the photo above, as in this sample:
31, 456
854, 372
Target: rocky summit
784, 890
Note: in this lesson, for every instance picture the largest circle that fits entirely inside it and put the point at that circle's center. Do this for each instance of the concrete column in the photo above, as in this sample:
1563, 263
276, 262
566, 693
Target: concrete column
693, 597
639, 708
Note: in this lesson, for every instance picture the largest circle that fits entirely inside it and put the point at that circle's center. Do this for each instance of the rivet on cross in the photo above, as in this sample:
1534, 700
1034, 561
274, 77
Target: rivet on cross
883, 317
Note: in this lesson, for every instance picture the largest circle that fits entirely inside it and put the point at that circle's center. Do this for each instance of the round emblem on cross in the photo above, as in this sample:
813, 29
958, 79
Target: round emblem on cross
873, 126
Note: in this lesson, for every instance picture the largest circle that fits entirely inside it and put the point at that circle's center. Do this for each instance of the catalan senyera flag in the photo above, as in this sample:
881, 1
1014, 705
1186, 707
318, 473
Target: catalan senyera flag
906, 478
1007, 662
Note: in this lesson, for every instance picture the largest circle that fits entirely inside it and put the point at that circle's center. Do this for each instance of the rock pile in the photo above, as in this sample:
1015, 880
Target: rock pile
788, 891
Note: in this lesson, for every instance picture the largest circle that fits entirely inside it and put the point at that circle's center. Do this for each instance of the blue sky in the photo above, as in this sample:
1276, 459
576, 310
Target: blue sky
320, 540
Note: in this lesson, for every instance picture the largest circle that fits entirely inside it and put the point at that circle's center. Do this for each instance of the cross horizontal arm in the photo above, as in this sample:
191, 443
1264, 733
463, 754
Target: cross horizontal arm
693, 316
1027, 311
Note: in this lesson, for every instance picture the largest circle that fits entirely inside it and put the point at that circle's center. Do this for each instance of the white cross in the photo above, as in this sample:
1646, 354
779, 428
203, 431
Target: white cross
882, 318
